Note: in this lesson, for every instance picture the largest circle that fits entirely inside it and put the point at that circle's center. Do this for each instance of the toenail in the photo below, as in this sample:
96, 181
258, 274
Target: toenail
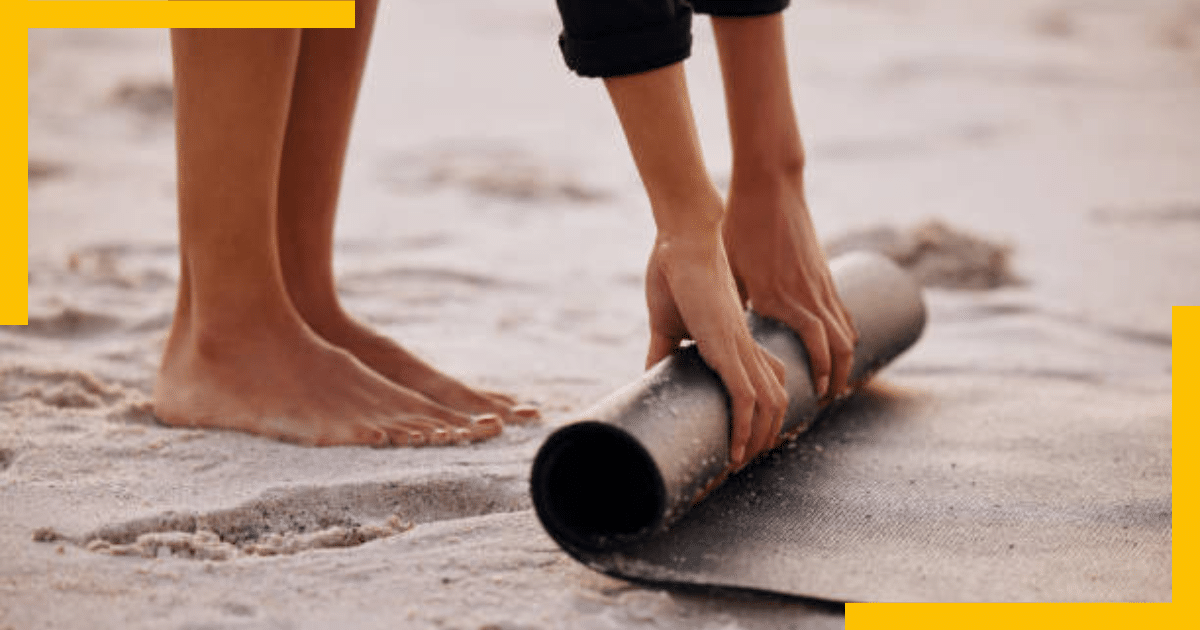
416, 438
527, 411
462, 435
485, 418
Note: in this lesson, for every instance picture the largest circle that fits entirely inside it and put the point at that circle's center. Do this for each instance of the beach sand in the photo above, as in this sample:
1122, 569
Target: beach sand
492, 221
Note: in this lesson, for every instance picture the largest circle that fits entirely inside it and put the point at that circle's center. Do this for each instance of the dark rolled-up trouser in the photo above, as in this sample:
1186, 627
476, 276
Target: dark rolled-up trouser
607, 38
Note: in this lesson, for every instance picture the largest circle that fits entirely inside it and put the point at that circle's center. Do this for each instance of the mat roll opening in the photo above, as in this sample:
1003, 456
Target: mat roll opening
597, 487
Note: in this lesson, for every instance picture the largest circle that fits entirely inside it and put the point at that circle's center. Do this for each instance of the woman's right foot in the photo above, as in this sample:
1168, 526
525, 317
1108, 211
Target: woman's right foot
287, 383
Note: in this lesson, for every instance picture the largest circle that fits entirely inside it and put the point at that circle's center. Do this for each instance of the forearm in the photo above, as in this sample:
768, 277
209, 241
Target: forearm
656, 115
762, 121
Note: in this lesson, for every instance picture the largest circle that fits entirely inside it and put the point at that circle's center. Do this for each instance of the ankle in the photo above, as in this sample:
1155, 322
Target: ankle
220, 338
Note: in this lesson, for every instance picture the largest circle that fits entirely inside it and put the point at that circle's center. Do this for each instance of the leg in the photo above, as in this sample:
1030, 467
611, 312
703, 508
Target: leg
239, 356
328, 75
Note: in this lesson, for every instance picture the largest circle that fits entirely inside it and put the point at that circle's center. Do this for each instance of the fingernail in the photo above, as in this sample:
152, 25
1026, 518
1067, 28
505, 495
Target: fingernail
738, 453
822, 385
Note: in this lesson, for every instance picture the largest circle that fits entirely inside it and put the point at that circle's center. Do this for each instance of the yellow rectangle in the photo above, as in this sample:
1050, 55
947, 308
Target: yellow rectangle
189, 14
1012, 616
14, 209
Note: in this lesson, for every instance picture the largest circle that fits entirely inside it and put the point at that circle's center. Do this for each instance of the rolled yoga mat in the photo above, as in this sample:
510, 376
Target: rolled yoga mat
641, 458
1020, 456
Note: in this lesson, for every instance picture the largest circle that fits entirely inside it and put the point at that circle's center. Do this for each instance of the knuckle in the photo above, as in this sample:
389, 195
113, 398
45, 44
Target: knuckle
811, 323
781, 400
743, 399
776, 364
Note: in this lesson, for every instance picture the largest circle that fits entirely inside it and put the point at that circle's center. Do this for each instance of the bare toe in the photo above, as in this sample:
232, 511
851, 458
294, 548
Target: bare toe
524, 414
401, 367
501, 399
439, 437
486, 426
348, 433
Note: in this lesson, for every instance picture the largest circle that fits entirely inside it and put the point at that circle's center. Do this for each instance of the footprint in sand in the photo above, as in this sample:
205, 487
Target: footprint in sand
152, 99
41, 170
491, 171
127, 266
1166, 215
238, 609
1056, 23
65, 389
423, 286
301, 519
1181, 31
68, 323
936, 254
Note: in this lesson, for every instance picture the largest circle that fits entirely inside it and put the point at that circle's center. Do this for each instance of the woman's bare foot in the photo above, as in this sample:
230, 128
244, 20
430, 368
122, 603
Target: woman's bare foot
403, 368
285, 382
328, 73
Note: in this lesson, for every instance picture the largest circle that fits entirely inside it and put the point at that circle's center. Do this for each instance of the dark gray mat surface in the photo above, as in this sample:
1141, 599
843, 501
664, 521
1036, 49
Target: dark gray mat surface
1011, 457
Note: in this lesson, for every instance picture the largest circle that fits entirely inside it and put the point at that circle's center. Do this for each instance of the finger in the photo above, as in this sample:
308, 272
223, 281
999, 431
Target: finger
780, 372
843, 314
847, 321
812, 333
843, 338
742, 397
842, 348
770, 404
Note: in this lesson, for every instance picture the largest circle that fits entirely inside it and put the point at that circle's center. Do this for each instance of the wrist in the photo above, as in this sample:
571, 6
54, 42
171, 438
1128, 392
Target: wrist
762, 166
694, 214
767, 187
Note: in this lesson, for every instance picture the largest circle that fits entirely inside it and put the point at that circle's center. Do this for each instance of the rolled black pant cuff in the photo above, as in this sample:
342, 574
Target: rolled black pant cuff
739, 8
630, 53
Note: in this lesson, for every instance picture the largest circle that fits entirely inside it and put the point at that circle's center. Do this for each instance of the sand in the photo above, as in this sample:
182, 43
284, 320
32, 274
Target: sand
491, 221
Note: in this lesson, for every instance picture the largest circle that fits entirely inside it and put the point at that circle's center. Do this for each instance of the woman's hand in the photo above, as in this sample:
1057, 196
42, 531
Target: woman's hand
691, 294
780, 269
690, 289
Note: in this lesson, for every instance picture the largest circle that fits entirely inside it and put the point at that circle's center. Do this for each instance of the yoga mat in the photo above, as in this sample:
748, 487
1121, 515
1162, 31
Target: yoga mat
1031, 474
645, 455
